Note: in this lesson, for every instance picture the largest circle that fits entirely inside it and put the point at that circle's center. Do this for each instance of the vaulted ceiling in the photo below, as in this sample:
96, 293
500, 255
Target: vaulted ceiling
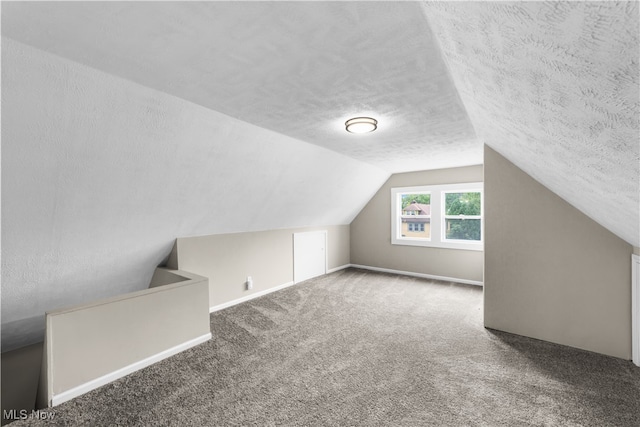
553, 86
300, 69
127, 124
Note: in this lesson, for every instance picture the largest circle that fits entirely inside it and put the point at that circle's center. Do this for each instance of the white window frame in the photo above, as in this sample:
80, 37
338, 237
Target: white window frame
445, 216
396, 217
437, 224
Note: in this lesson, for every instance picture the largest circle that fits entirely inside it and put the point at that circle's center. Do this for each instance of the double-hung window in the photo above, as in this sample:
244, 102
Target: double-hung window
462, 218
445, 216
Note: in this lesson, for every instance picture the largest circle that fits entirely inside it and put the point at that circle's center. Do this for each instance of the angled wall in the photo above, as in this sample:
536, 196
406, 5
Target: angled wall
554, 87
371, 232
267, 256
90, 345
20, 378
100, 175
551, 272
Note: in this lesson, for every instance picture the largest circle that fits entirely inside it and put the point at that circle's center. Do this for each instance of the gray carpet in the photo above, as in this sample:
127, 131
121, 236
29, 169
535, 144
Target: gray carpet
356, 348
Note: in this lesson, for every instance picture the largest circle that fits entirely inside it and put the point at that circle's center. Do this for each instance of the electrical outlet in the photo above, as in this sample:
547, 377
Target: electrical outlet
249, 283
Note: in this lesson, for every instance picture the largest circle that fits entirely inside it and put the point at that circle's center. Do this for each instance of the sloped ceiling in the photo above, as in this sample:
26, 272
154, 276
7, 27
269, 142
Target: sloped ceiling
100, 175
127, 124
553, 86
298, 68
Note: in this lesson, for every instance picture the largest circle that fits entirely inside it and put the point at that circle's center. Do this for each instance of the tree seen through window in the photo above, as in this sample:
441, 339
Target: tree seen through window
462, 216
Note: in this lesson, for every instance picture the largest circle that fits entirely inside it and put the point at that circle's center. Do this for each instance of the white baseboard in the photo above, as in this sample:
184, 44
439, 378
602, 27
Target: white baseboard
342, 267
248, 297
421, 275
105, 379
635, 309
228, 304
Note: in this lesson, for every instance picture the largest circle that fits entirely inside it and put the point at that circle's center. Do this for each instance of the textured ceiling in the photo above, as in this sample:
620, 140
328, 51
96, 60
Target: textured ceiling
126, 124
300, 69
100, 175
553, 86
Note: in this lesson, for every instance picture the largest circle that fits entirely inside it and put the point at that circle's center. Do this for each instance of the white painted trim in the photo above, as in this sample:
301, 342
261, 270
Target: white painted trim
635, 309
248, 297
422, 275
326, 252
265, 292
333, 270
105, 379
437, 238
342, 267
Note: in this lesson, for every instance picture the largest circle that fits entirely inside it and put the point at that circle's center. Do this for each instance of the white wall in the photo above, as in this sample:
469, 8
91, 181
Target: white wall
371, 232
100, 175
267, 256
551, 272
89, 345
554, 87
20, 378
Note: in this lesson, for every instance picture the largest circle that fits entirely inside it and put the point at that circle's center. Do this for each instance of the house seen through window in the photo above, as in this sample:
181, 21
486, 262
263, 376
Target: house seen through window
416, 215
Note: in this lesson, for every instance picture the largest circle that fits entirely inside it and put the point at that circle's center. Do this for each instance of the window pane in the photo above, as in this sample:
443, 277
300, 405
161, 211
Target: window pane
462, 229
462, 204
412, 228
415, 220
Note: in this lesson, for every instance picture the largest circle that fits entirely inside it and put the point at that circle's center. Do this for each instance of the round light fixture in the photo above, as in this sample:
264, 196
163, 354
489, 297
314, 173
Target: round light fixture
361, 125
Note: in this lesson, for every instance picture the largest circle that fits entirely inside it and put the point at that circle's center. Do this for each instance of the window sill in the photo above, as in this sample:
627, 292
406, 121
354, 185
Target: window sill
442, 245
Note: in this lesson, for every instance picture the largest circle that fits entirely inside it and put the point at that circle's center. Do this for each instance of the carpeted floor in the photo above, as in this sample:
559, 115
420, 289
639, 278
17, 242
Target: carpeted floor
357, 348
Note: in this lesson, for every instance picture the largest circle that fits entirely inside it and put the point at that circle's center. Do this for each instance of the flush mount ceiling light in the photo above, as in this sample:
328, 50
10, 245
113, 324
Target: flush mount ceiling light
361, 125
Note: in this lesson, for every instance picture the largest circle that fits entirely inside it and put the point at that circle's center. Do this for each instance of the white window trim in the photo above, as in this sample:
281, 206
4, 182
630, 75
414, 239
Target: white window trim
437, 233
